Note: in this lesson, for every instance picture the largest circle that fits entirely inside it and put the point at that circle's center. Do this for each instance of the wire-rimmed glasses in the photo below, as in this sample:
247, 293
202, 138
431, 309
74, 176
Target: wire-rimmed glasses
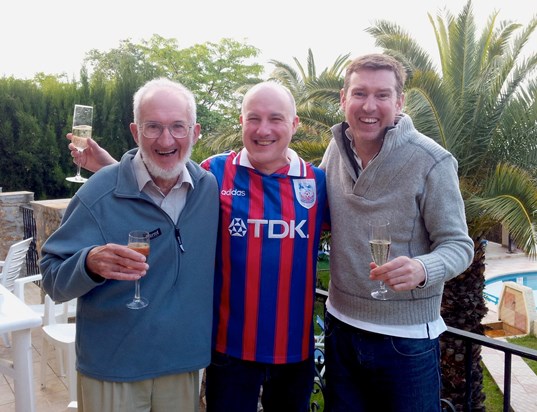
153, 130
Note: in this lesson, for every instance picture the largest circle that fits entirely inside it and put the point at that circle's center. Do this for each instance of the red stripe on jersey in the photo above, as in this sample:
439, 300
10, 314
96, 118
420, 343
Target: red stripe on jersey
309, 296
225, 210
281, 338
253, 268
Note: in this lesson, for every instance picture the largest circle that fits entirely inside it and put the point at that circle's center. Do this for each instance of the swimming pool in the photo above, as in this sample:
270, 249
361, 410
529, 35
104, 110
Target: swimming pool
493, 287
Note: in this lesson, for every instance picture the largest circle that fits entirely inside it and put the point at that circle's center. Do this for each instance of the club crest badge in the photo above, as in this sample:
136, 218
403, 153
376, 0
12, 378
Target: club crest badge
305, 192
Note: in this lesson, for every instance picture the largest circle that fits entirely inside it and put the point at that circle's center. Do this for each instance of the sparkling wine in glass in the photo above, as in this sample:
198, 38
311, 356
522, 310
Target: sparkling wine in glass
379, 243
82, 126
138, 241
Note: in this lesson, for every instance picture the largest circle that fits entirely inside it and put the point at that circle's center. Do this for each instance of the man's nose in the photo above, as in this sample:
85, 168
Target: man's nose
166, 136
264, 127
369, 104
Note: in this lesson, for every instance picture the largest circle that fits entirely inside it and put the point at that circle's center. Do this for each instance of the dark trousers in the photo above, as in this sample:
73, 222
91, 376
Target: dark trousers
233, 385
368, 371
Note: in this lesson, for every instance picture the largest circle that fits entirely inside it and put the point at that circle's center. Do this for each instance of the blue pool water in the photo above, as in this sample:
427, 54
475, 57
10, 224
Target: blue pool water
493, 287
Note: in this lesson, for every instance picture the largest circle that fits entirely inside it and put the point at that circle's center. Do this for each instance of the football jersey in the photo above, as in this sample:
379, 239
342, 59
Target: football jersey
268, 242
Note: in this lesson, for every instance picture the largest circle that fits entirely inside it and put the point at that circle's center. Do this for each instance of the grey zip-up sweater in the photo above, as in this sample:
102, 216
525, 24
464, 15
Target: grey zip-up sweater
413, 181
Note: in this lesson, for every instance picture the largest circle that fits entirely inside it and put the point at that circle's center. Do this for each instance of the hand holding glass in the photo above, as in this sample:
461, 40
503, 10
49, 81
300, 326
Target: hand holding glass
138, 241
82, 125
379, 242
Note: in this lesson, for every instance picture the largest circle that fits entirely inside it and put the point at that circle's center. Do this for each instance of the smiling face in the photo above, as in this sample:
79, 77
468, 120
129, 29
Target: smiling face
165, 156
268, 122
371, 104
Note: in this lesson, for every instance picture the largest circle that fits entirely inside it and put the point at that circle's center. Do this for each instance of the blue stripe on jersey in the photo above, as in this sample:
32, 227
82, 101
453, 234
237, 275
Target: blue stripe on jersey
266, 262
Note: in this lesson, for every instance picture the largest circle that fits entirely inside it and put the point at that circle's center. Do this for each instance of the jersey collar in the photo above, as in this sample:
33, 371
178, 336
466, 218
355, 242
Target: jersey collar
297, 166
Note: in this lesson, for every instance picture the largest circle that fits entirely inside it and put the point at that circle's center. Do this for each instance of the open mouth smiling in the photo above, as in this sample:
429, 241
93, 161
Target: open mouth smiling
264, 142
166, 153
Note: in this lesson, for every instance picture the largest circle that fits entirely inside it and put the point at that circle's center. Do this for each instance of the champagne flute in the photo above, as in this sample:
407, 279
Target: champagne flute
82, 125
379, 242
138, 241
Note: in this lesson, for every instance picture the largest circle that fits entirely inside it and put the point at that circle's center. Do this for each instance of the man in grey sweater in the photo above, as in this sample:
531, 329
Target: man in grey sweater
384, 354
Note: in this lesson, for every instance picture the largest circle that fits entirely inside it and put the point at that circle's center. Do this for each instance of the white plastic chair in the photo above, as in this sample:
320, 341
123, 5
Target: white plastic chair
11, 269
12, 266
62, 337
62, 315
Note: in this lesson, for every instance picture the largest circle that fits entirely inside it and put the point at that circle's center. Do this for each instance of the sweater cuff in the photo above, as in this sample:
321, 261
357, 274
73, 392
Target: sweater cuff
435, 268
424, 283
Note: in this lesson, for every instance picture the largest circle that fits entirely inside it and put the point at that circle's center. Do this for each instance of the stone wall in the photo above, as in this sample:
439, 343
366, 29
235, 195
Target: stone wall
48, 215
11, 222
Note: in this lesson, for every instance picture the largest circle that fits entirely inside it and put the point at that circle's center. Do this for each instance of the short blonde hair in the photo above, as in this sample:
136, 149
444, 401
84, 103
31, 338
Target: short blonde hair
377, 61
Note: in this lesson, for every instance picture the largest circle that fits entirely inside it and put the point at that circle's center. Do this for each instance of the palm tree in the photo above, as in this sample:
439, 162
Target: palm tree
482, 107
317, 100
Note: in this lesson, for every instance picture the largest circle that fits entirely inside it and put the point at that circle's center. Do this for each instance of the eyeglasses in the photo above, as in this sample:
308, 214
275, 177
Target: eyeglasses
153, 130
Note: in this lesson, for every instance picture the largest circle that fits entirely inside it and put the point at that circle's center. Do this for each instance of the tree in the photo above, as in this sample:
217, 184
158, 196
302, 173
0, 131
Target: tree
213, 71
480, 106
35, 115
29, 113
317, 101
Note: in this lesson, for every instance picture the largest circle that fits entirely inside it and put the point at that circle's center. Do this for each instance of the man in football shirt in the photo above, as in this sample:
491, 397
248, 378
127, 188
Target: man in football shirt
272, 205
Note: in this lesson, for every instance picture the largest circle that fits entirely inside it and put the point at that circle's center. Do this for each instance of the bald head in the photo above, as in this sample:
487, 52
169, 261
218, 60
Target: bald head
268, 88
269, 121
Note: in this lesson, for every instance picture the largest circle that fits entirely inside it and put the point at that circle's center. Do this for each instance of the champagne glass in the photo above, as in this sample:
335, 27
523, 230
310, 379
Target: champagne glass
138, 241
82, 122
379, 242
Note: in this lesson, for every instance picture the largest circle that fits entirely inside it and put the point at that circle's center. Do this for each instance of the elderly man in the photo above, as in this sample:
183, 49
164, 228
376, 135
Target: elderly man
146, 359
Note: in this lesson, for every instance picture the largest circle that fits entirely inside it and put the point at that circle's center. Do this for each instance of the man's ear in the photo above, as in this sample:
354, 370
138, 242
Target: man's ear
196, 133
134, 132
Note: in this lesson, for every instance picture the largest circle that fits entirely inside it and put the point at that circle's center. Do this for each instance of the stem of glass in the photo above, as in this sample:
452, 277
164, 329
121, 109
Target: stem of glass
78, 165
137, 290
382, 287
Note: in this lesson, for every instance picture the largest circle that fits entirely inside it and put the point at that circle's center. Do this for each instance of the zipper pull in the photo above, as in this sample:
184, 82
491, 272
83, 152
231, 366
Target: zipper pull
179, 240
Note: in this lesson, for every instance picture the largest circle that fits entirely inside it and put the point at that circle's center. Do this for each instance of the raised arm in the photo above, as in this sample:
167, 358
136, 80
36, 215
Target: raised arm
93, 158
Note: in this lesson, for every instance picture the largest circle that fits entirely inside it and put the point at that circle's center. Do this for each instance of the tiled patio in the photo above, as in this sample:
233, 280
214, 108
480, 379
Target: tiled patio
54, 398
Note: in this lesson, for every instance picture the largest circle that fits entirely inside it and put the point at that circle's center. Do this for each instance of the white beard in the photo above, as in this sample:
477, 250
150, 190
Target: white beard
166, 174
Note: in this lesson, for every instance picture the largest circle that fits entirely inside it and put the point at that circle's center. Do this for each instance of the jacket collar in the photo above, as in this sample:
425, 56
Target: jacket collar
127, 185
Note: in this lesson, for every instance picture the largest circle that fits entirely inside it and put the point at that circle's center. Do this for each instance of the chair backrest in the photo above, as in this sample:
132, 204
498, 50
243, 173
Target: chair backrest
51, 316
13, 264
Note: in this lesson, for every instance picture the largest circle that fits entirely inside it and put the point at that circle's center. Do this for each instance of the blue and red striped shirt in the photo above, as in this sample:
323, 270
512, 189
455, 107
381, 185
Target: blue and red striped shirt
266, 258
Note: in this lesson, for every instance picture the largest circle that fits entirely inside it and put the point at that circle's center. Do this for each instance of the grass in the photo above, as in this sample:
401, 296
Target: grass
528, 341
493, 394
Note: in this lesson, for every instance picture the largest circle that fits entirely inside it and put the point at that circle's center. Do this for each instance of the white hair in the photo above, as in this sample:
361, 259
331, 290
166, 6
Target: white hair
163, 83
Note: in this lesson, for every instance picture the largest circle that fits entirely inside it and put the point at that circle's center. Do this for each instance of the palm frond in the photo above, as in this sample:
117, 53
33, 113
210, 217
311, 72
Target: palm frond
510, 197
481, 107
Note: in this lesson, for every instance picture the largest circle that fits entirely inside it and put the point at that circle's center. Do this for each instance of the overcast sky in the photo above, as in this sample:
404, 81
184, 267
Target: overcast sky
54, 36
